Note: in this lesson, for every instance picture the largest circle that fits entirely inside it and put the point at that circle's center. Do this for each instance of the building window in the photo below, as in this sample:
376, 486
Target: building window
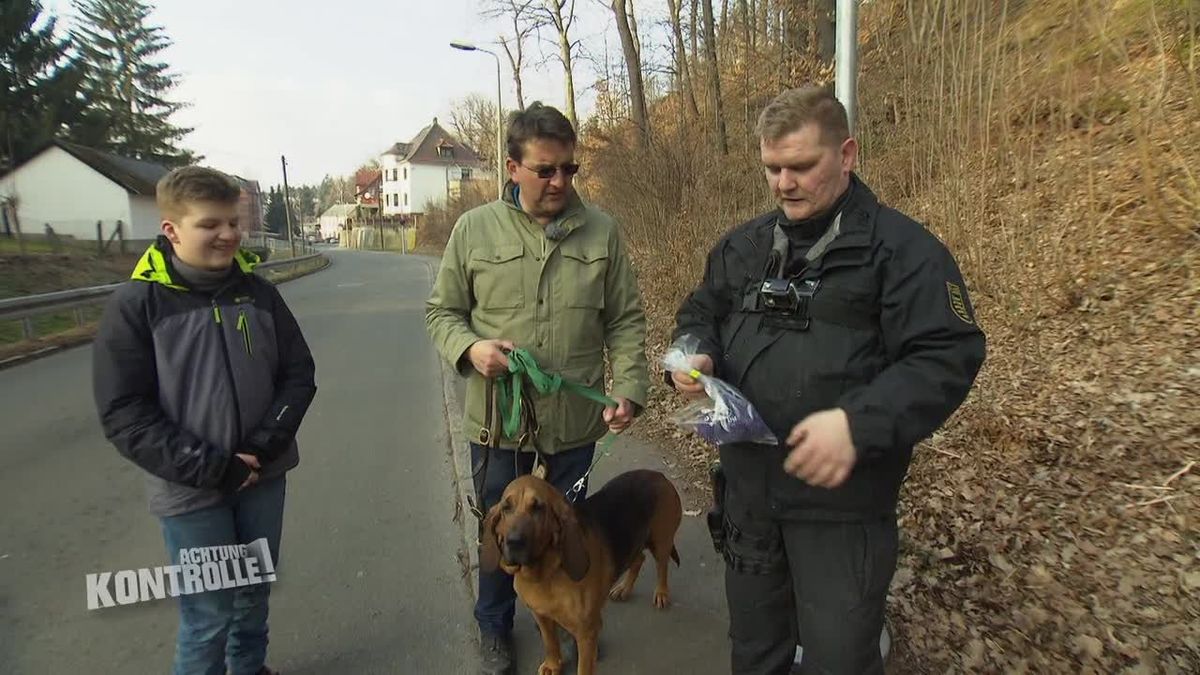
406, 199
395, 199
406, 173
466, 174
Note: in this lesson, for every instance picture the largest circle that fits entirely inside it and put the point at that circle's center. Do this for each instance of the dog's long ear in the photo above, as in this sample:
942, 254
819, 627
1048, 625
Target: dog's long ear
575, 558
489, 547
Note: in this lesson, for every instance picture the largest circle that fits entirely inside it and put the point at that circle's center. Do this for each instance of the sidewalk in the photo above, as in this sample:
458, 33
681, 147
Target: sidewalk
689, 637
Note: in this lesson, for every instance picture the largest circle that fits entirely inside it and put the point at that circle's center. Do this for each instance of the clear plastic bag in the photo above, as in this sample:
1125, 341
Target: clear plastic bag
726, 416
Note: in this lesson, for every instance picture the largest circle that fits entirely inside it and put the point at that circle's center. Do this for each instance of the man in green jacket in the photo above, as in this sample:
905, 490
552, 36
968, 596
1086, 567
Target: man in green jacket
542, 271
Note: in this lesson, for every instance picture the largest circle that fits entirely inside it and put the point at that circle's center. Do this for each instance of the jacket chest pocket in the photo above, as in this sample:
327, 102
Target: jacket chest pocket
498, 277
584, 272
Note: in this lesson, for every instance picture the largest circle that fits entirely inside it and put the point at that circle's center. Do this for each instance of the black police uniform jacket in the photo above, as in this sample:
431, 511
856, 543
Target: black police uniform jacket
891, 339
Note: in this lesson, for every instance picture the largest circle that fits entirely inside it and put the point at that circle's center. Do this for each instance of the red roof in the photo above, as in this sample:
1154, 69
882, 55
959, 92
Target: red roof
364, 178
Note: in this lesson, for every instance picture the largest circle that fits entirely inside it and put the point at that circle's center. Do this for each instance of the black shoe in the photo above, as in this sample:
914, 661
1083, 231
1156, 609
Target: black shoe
495, 654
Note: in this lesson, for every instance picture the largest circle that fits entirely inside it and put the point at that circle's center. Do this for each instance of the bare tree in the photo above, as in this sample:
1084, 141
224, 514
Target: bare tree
633, 66
473, 121
633, 29
524, 22
683, 76
561, 15
694, 32
714, 76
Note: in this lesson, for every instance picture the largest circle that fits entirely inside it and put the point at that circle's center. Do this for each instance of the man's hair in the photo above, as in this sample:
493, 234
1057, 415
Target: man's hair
794, 108
194, 184
537, 122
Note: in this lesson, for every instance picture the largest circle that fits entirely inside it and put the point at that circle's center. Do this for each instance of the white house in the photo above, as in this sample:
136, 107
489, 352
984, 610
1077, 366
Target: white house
427, 170
336, 218
70, 187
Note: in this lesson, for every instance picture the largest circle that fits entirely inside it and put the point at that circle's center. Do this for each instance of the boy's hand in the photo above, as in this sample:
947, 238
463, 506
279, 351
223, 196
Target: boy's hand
252, 462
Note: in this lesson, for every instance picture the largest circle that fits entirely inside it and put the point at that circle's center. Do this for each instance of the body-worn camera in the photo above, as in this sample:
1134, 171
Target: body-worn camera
786, 296
779, 295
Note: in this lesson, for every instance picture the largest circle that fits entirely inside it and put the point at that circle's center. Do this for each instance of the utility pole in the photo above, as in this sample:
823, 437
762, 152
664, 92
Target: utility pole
287, 210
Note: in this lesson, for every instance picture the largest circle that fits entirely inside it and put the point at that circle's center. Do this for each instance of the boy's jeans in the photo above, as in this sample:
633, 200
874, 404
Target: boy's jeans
226, 625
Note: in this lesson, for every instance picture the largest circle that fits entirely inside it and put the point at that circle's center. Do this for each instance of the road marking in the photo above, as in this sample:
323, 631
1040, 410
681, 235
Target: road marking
351, 285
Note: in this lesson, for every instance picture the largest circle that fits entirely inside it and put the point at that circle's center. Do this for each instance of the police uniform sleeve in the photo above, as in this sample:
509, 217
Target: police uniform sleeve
934, 347
701, 313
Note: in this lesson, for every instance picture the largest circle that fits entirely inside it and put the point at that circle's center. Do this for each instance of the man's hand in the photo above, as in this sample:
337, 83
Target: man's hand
252, 462
689, 386
823, 452
618, 419
489, 356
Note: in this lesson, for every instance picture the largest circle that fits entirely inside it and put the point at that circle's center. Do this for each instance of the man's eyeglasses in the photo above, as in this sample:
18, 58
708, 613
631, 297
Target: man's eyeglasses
546, 172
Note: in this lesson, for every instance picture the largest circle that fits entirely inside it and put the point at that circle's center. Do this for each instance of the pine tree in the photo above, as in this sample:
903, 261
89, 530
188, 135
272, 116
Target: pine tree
128, 85
276, 220
37, 82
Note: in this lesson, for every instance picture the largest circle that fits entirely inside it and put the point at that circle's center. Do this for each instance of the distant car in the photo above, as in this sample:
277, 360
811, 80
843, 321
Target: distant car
311, 238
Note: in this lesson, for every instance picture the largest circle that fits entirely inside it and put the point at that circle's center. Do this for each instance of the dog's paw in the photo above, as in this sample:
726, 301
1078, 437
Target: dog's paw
662, 599
548, 668
620, 593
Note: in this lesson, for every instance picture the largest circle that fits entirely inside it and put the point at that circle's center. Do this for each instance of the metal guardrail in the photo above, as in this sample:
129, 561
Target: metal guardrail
25, 308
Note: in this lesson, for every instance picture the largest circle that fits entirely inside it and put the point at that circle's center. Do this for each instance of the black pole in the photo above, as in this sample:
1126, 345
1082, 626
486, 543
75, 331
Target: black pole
287, 211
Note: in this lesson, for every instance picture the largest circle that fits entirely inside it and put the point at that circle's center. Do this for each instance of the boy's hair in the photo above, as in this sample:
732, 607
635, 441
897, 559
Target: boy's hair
194, 184
794, 108
537, 121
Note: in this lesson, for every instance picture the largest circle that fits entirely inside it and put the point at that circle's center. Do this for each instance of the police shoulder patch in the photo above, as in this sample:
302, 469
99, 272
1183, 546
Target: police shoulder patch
958, 302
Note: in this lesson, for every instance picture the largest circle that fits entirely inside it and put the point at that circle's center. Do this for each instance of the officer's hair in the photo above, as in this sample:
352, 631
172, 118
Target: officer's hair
191, 184
538, 121
794, 108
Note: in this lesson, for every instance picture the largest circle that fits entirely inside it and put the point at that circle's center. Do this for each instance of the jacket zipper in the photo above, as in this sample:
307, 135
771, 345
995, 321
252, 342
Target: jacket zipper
243, 327
237, 404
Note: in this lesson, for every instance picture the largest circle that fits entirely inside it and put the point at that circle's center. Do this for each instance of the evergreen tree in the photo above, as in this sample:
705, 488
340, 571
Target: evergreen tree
129, 87
38, 83
276, 220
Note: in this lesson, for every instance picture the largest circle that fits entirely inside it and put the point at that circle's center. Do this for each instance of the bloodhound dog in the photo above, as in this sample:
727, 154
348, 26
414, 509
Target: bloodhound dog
568, 560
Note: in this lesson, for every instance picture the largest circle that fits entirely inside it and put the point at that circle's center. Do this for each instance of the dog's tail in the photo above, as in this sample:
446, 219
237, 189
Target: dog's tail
675, 556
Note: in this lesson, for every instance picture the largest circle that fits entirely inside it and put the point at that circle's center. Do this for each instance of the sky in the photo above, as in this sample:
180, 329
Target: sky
333, 84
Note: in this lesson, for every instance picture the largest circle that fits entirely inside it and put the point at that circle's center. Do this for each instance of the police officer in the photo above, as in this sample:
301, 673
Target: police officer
848, 326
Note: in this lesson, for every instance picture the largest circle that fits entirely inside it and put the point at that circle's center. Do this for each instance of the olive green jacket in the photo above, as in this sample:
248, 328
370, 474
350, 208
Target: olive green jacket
564, 302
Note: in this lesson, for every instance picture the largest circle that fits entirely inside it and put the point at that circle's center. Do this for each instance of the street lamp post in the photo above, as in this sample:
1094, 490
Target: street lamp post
846, 58
468, 47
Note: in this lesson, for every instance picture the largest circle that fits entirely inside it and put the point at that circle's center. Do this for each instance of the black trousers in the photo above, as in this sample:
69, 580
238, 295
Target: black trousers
819, 583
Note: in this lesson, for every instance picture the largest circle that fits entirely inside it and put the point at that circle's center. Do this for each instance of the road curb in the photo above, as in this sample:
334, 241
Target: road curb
460, 463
